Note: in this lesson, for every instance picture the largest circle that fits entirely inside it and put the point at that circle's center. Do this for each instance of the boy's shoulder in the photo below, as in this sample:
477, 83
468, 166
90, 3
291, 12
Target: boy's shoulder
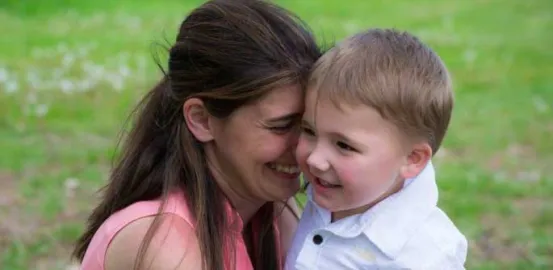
437, 242
440, 229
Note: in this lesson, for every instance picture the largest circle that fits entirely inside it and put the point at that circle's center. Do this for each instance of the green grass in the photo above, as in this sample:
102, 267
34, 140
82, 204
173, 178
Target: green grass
69, 78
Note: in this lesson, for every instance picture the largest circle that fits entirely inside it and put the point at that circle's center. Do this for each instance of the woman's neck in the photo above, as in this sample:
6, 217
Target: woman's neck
245, 207
245, 204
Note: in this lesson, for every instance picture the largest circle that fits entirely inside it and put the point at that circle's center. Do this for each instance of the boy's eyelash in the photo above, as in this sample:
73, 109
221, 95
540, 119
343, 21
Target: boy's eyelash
308, 131
342, 145
345, 146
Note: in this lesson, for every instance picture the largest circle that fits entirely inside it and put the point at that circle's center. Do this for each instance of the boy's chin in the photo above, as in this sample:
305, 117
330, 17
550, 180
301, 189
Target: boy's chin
329, 205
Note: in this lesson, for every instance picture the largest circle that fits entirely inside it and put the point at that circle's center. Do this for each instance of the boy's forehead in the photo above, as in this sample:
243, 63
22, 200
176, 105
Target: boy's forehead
310, 94
315, 96
313, 101
336, 114
317, 100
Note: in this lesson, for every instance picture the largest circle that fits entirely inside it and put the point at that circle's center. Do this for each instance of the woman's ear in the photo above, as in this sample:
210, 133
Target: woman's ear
197, 119
417, 159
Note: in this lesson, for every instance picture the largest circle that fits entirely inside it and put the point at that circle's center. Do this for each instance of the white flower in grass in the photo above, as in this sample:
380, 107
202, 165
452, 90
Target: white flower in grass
124, 71
134, 23
93, 71
116, 82
85, 85
39, 53
26, 110
41, 110
142, 63
83, 51
71, 184
68, 60
11, 86
31, 98
470, 56
540, 104
62, 48
448, 23
351, 27
33, 79
67, 86
529, 176
4, 75
57, 73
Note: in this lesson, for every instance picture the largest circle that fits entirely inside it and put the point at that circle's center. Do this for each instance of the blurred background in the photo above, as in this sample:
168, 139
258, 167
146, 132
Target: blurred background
70, 72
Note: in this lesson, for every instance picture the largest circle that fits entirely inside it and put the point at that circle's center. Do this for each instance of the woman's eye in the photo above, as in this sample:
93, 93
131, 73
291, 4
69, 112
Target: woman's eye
345, 146
282, 128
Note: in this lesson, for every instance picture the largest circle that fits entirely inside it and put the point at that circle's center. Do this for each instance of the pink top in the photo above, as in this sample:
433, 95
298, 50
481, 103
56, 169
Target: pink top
95, 254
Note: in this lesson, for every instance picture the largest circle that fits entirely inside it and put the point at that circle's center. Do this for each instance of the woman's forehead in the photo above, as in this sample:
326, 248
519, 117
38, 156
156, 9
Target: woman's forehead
281, 102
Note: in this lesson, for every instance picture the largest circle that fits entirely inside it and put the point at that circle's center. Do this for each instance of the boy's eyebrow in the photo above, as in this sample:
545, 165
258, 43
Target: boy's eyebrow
286, 117
339, 134
345, 138
305, 123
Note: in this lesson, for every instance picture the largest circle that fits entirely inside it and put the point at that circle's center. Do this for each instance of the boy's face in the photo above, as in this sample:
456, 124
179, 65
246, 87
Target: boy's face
350, 155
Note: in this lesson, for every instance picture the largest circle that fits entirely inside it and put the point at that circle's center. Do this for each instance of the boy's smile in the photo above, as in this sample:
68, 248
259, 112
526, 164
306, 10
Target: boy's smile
323, 187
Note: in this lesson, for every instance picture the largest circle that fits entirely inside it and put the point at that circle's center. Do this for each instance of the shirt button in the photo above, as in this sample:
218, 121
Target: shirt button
317, 239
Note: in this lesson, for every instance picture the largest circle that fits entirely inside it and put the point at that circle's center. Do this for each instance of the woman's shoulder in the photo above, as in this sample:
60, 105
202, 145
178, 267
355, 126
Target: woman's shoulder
125, 229
172, 245
175, 204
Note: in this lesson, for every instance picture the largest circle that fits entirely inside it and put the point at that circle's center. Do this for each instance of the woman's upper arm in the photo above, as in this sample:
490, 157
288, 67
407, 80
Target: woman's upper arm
173, 246
287, 223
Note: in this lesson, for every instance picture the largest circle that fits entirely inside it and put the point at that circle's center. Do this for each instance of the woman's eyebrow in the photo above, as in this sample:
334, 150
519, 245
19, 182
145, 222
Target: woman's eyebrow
286, 117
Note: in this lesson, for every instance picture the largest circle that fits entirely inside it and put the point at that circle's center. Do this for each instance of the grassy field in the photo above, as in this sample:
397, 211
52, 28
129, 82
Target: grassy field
70, 72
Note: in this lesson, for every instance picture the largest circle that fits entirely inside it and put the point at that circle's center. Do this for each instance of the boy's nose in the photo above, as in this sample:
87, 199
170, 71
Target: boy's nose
317, 162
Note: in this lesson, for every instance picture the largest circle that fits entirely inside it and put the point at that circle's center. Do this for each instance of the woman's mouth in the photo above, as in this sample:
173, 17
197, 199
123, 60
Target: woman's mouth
284, 170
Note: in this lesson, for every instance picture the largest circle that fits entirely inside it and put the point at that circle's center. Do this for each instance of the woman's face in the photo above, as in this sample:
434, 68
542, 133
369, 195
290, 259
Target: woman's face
253, 149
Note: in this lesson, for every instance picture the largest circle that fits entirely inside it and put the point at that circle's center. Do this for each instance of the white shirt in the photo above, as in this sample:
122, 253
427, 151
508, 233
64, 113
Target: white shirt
404, 231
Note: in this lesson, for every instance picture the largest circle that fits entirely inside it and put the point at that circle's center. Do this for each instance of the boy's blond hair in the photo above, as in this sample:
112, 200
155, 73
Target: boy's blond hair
394, 73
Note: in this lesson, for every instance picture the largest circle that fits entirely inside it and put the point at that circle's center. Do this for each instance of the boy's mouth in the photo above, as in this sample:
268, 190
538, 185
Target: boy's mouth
326, 184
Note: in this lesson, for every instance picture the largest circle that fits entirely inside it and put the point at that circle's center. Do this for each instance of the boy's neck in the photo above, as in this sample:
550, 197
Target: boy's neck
336, 216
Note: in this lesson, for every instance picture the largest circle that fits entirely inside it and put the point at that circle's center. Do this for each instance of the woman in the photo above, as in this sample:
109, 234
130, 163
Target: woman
211, 152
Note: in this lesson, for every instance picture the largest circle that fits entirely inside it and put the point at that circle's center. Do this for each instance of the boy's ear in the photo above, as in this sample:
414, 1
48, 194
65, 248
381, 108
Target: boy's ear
197, 119
416, 160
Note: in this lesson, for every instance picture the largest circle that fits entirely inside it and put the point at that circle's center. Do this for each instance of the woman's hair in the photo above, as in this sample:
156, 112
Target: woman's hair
228, 53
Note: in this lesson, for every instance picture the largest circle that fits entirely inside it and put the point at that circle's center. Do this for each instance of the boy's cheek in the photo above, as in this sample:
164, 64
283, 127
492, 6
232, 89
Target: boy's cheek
347, 174
302, 151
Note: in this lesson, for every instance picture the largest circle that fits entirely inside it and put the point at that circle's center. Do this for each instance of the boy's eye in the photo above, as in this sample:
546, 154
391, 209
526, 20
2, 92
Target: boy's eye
345, 146
307, 131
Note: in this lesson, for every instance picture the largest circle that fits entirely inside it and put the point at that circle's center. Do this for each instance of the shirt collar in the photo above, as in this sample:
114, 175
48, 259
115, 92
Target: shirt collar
391, 222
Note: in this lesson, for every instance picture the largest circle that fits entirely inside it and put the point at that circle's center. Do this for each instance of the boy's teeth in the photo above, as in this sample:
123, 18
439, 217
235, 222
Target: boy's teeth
326, 184
286, 168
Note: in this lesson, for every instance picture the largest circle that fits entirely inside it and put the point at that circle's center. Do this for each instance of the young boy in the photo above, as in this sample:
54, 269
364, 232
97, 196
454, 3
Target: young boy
377, 108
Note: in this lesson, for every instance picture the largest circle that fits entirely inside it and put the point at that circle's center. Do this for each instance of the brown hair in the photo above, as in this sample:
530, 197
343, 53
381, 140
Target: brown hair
227, 53
394, 73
